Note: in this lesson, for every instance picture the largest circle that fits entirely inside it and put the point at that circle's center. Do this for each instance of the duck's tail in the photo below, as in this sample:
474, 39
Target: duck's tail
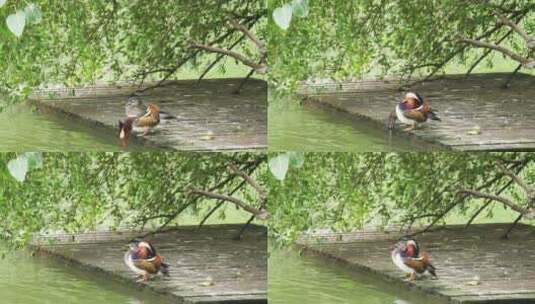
164, 269
426, 258
166, 115
432, 115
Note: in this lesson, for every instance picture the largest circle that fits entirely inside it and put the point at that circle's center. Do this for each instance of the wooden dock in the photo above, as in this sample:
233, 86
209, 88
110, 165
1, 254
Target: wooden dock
473, 266
477, 113
209, 115
207, 265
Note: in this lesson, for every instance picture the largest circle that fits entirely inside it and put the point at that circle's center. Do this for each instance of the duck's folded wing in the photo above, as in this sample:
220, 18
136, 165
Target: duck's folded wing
146, 265
417, 264
415, 115
146, 121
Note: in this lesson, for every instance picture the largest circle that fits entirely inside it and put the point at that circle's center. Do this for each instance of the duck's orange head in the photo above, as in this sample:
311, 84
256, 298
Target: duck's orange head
152, 108
413, 100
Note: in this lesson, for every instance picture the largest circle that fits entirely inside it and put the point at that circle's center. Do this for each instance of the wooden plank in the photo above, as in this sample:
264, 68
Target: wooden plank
505, 117
237, 268
210, 116
505, 268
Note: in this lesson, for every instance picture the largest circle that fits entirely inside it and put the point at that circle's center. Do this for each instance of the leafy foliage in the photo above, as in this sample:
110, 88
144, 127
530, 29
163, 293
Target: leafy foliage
347, 39
84, 41
85, 191
344, 191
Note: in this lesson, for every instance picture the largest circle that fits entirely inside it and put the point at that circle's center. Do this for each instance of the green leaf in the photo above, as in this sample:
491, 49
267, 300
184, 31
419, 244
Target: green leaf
33, 14
297, 159
279, 166
16, 22
300, 8
282, 16
18, 167
35, 160
2, 2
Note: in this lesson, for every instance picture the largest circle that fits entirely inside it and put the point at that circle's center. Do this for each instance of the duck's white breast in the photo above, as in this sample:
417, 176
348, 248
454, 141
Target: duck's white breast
403, 118
398, 261
130, 263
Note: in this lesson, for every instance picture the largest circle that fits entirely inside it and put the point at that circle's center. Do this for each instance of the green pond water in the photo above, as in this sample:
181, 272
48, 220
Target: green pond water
25, 129
40, 280
303, 128
295, 279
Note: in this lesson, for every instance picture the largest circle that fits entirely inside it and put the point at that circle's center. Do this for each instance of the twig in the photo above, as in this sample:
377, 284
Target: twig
244, 80
506, 235
510, 78
242, 230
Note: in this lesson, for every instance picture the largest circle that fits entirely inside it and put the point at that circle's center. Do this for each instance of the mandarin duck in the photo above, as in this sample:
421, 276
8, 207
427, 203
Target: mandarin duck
144, 261
406, 256
412, 110
144, 123
134, 107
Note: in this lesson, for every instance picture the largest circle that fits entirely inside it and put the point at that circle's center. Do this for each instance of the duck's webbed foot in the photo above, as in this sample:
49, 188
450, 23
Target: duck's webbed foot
410, 277
143, 278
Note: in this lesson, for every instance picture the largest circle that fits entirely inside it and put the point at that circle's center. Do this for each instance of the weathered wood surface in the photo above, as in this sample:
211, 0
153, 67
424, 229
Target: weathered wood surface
505, 117
505, 268
236, 268
210, 116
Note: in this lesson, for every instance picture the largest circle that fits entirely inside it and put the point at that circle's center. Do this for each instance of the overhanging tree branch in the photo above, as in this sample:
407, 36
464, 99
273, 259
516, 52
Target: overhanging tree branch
261, 214
530, 41
259, 68
526, 62
498, 198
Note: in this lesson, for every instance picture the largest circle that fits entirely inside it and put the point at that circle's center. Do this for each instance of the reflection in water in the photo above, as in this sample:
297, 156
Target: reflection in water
29, 280
23, 129
300, 128
294, 280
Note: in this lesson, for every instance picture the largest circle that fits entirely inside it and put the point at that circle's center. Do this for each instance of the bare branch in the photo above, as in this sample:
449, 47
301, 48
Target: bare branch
259, 44
530, 41
259, 68
507, 202
261, 191
487, 52
514, 177
480, 44
261, 214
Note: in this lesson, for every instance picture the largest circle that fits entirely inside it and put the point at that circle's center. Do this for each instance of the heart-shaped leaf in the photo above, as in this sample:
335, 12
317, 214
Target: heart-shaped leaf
278, 166
18, 167
2, 2
282, 16
297, 159
300, 8
16, 22
33, 14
